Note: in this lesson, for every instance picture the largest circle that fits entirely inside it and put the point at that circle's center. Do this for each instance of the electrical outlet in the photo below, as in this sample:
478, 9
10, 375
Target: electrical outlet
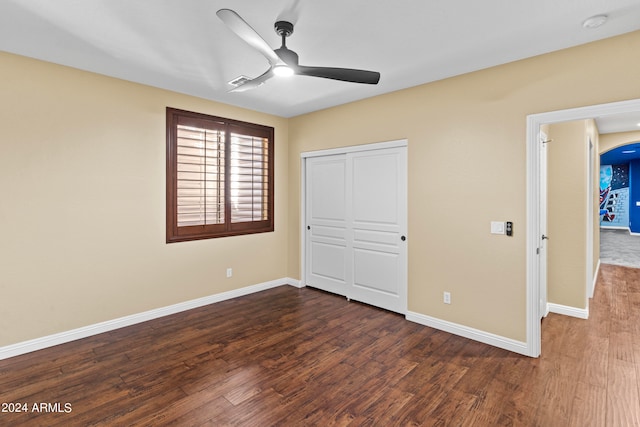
447, 298
229, 272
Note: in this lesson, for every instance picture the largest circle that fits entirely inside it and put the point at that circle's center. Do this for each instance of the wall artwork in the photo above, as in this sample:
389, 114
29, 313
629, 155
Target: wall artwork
614, 196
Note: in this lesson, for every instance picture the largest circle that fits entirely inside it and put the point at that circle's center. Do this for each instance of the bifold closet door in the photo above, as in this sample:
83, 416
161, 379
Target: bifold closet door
356, 226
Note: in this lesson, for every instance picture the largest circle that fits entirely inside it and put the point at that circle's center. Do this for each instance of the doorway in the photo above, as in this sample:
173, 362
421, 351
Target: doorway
534, 201
619, 195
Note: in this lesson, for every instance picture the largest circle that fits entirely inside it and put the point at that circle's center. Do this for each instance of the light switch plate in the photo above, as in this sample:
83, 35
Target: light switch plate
497, 227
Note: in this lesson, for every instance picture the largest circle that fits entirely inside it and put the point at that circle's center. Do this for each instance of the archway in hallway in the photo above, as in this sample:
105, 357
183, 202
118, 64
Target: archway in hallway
619, 200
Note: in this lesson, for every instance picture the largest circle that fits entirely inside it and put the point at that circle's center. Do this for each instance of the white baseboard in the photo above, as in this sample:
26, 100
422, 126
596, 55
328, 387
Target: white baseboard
294, 282
581, 313
471, 333
109, 325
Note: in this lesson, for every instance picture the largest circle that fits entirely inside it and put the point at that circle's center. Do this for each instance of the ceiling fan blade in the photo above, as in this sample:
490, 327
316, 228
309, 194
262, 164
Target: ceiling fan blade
248, 34
291, 13
343, 74
254, 83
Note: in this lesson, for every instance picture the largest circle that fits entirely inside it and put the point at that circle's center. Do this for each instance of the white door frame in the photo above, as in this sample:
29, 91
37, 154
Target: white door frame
534, 121
303, 186
590, 218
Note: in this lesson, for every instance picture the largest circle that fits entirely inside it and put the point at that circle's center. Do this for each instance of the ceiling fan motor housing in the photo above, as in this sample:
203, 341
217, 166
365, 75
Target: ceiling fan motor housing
288, 56
285, 29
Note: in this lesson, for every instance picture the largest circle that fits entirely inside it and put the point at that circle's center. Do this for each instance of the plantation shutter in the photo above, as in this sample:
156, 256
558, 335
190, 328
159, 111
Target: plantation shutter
200, 177
249, 179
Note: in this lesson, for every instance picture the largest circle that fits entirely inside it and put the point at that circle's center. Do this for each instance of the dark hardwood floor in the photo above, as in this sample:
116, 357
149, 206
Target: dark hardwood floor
299, 357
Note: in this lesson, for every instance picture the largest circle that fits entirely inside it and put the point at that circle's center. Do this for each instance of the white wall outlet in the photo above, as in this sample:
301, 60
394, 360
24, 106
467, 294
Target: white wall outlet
447, 298
229, 272
497, 227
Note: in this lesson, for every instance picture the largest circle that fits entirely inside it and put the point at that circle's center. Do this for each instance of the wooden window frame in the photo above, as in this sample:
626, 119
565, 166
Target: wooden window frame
174, 233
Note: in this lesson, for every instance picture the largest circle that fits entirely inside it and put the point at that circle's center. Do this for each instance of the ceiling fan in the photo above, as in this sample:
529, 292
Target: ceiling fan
284, 61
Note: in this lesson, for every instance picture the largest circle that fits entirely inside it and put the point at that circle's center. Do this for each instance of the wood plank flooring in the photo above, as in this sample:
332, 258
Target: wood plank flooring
302, 357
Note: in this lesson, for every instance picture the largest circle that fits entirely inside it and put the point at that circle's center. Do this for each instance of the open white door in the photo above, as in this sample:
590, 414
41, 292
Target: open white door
590, 220
543, 226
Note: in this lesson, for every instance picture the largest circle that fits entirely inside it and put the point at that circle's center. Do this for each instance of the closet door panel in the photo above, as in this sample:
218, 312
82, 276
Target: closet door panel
326, 221
377, 212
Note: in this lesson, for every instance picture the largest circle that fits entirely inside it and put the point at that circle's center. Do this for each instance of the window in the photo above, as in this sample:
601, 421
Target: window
219, 177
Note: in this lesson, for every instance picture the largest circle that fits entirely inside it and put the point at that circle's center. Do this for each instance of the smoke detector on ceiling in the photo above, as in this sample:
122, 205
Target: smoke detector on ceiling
594, 21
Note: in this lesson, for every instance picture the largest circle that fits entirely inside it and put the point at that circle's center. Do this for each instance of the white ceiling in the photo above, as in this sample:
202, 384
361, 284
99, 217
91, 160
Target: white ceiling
183, 46
626, 122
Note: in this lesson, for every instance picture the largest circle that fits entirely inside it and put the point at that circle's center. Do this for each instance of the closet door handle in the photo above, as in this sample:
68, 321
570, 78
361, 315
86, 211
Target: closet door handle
308, 227
403, 238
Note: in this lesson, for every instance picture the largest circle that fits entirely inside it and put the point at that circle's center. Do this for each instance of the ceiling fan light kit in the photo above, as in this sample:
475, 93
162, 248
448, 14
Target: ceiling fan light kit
283, 61
283, 71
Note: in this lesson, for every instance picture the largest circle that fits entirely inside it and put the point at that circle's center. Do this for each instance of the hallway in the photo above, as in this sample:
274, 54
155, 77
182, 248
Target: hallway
619, 247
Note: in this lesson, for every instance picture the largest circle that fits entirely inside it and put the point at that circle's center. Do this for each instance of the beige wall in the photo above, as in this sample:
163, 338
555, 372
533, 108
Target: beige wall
609, 141
82, 175
82, 179
467, 167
